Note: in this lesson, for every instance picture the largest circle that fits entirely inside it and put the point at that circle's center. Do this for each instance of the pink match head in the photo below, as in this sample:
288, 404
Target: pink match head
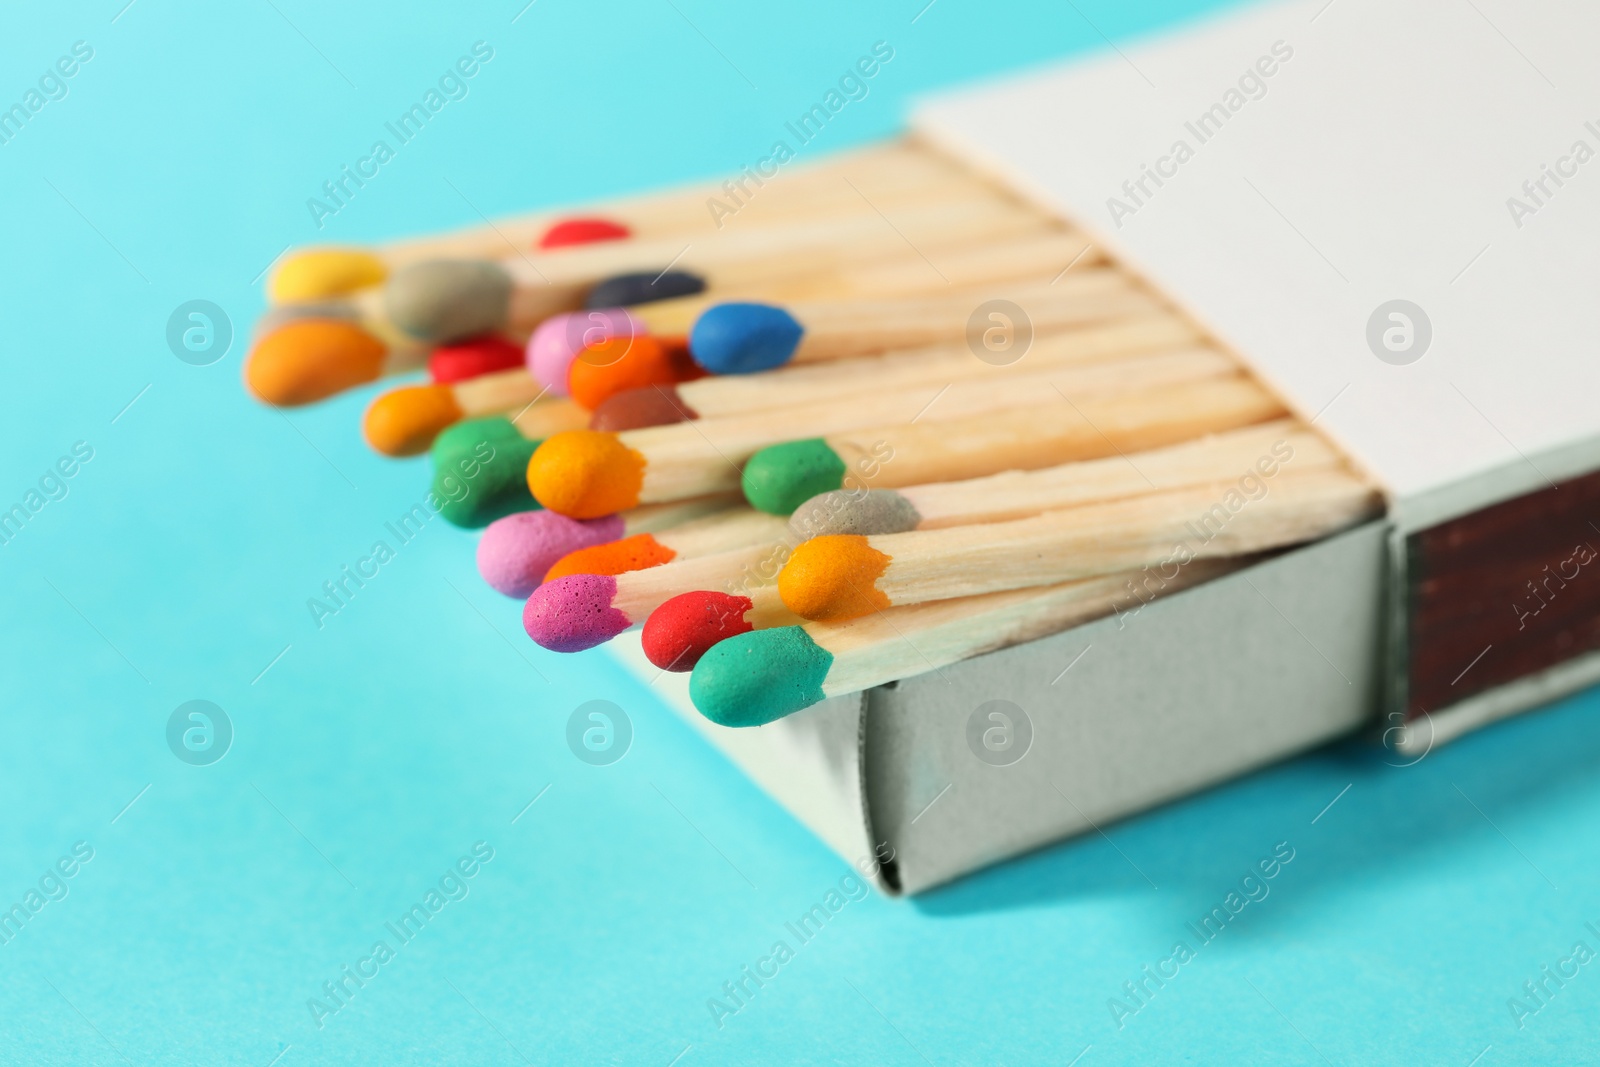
516, 551
558, 340
574, 613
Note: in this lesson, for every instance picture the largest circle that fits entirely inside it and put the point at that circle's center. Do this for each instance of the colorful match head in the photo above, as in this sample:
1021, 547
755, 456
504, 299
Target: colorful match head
682, 630
474, 357
583, 230
832, 578
481, 474
854, 511
740, 338
646, 287
633, 409
516, 551
603, 370
758, 677
467, 434
320, 273
448, 299
585, 474
558, 340
310, 359
405, 421
574, 613
639, 552
780, 478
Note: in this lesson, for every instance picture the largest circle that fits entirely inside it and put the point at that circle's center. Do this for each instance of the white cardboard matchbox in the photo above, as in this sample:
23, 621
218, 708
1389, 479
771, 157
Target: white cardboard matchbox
1335, 159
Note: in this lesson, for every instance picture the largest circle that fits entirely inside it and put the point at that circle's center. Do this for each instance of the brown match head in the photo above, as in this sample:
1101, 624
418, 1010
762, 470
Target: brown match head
634, 409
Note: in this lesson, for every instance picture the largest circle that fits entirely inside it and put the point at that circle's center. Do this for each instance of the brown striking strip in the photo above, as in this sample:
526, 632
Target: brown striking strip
1503, 593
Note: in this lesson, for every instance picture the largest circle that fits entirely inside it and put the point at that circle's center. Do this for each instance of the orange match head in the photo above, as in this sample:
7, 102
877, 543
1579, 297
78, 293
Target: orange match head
404, 422
584, 474
617, 364
636, 553
831, 578
309, 359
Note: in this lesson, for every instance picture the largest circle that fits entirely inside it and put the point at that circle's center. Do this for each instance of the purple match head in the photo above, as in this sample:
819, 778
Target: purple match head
574, 613
516, 551
558, 340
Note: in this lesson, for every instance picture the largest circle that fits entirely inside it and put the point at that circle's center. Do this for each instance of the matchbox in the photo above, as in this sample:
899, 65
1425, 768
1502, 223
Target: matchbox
1391, 236
1083, 726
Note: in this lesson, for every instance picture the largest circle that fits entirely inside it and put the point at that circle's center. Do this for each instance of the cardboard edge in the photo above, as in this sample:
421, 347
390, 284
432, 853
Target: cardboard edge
1118, 729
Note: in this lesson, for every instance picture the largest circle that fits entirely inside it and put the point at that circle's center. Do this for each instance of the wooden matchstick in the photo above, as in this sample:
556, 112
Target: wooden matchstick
586, 473
843, 576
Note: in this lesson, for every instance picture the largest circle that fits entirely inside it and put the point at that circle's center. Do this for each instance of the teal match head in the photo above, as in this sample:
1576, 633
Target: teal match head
781, 478
760, 676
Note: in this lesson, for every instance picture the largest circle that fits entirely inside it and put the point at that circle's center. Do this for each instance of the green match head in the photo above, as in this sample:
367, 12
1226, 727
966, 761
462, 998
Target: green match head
465, 435
781, 478
759, 676
483, 479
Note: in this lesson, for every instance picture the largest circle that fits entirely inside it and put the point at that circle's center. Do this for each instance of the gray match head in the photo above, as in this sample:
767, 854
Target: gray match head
448, 299
854, 511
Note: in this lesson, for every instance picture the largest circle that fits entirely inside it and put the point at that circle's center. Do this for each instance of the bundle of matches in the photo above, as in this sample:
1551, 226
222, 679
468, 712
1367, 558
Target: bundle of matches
875, 563
329, 273
343, 318
844, 440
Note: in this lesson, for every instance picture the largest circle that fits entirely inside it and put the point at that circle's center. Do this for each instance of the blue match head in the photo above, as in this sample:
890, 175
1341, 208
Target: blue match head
744, 338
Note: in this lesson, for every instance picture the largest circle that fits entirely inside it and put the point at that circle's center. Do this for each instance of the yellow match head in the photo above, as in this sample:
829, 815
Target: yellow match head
323, 272
585, 474
404, 422
830, 579
309, 359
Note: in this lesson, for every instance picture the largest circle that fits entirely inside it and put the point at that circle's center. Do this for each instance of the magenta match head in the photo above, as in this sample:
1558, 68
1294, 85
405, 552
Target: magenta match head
516, 551
574, 613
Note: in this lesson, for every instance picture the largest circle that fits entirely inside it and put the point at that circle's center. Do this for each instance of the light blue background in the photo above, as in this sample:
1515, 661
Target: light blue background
374, 752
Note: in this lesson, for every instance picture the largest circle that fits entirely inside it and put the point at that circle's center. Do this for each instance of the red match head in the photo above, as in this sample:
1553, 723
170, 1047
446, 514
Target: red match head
683, 629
